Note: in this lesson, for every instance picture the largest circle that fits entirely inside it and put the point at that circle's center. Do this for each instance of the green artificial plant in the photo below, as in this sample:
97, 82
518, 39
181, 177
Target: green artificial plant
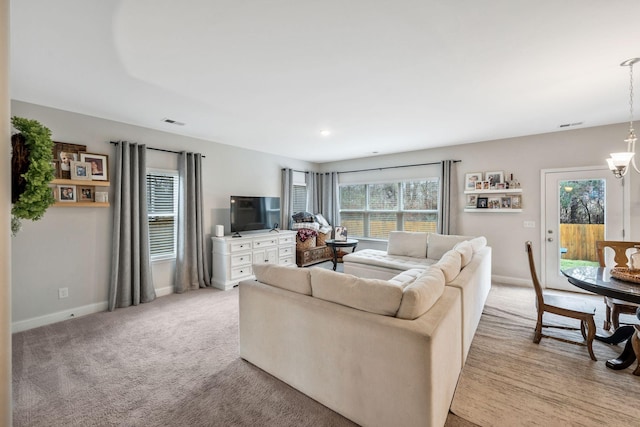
36, 197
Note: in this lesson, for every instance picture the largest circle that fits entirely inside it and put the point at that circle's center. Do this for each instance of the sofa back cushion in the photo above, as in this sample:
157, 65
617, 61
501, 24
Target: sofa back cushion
439, 244
372, 295
407, 243
450, 264
466, 252
290, 278
420, 295
407, 277
478, 243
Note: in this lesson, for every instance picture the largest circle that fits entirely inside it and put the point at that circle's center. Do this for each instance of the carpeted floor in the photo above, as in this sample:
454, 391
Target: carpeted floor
174, 362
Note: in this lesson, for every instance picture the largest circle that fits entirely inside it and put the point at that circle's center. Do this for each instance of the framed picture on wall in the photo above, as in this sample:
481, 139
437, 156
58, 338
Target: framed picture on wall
472, 201
66, 193
494, 178
80, 170
99, 165
85, 194
483, 203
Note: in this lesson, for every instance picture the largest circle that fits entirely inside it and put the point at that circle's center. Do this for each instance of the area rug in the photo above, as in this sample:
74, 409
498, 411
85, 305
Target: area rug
510, 381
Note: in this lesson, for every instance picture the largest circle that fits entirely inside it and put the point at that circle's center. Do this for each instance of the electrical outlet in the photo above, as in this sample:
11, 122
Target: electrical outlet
529, 224
63, 293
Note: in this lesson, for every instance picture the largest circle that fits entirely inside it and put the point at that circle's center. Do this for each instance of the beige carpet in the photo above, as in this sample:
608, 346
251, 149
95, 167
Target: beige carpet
510, 381
174, 362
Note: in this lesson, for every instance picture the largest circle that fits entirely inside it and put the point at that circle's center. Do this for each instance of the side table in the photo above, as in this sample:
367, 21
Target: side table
335, 244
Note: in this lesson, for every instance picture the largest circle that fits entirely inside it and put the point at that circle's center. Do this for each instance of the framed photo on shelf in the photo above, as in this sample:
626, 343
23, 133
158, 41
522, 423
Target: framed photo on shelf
341, 234
471, 179
486, 185
64, 153
472, 201
99, 165
85, 194
66, 193
494, 178
80, 170
505, 202
483, 203
516, 202
494, 202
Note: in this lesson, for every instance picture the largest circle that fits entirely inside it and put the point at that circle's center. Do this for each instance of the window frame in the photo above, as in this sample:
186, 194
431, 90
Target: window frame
176, 185
400, 212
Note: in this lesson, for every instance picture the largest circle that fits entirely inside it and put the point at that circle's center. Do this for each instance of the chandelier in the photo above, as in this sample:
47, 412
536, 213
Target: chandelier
619, 162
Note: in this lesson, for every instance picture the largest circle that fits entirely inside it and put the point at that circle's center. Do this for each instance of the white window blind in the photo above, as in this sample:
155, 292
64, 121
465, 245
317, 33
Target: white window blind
162, 211
299, 198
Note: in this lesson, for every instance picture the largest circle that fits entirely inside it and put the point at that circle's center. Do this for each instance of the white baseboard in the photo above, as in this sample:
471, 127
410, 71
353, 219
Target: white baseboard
72, 313
512, 281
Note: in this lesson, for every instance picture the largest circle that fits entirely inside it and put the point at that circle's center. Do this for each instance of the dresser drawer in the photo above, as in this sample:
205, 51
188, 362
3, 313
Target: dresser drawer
265, 243
283, 240
288, 250
240, 246
240, 272
286, 260
241, 259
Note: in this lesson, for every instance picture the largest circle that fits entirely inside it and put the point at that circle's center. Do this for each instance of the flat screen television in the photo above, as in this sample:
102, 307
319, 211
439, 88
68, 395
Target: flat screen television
254, 213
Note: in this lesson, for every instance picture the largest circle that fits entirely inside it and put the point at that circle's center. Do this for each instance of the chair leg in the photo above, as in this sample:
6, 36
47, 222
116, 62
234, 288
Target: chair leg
591, 334
583, 327
615, 316
607, 316
635, 342
538, 335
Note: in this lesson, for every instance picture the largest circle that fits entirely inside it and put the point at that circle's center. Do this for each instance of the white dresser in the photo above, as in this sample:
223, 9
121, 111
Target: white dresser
233, 256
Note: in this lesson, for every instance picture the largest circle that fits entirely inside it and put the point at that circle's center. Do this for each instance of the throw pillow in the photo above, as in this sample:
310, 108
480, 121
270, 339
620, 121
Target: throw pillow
372, 295
465, 250
407, 243
450, 264
303, 217
478, 243
322, 220
439, 244
422, 294
290, 278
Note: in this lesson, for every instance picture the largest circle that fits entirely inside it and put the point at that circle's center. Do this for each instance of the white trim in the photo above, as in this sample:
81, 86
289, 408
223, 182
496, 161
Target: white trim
48, 319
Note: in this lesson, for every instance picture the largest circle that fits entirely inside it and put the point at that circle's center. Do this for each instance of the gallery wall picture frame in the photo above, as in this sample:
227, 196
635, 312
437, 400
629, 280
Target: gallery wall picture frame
65, 153
99, 165
505, 202
341, 234
516, 202
66, 193
86, 194
471, 179
494, 178
80, 170
483, 203
494, 203
472, 201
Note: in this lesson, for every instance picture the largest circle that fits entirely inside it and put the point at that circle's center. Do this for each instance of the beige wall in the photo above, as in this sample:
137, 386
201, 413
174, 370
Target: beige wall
5, 235
70, 247
525, 157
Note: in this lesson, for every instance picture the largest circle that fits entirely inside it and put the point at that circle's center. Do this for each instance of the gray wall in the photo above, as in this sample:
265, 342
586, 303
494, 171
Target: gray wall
525, 157
70, 247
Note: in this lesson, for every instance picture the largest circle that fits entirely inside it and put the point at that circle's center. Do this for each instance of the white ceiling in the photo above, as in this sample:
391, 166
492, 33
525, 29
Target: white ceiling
384, 76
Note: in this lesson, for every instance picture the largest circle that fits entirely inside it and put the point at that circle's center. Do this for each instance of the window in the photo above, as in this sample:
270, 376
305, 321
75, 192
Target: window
299, 202
162, 211
373, 210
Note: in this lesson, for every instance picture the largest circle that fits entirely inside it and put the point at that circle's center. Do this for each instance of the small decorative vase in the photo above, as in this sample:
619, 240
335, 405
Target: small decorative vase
634, 265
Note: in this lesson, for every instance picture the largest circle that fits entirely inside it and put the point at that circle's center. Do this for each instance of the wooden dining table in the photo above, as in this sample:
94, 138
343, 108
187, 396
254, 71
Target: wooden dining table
599, 281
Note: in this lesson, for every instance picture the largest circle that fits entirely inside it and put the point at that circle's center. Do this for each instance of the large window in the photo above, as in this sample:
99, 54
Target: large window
373, 210
162, 210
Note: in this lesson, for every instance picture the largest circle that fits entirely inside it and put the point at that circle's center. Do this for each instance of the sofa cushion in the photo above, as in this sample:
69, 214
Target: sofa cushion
286, 277
478, 243
420, 295
406, 278
450, 264
372, 295
379, 258
407, 243
466, 252
439, 244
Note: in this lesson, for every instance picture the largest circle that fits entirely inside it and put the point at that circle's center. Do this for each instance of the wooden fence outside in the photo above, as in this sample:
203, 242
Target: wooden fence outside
580, 240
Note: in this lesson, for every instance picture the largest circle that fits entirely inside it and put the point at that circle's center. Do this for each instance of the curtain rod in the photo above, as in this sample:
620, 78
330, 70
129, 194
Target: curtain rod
397, 167
159, 149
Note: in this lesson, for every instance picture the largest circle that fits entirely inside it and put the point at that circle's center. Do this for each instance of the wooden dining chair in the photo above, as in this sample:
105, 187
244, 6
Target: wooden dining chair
615, 307
562, 306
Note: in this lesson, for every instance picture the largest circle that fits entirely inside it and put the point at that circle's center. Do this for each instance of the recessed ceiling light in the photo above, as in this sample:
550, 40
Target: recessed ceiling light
325, 132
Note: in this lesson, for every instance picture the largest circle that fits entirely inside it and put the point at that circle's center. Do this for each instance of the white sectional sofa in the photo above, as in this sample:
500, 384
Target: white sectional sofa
380, 352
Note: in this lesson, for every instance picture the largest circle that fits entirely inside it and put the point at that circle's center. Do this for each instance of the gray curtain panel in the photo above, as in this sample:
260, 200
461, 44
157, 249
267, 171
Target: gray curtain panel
324, 196
192, 271
286, 199
444, 220
131, 281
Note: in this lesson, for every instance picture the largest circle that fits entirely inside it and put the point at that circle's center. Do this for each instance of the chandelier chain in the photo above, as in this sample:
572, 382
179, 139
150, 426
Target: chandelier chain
631, 97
